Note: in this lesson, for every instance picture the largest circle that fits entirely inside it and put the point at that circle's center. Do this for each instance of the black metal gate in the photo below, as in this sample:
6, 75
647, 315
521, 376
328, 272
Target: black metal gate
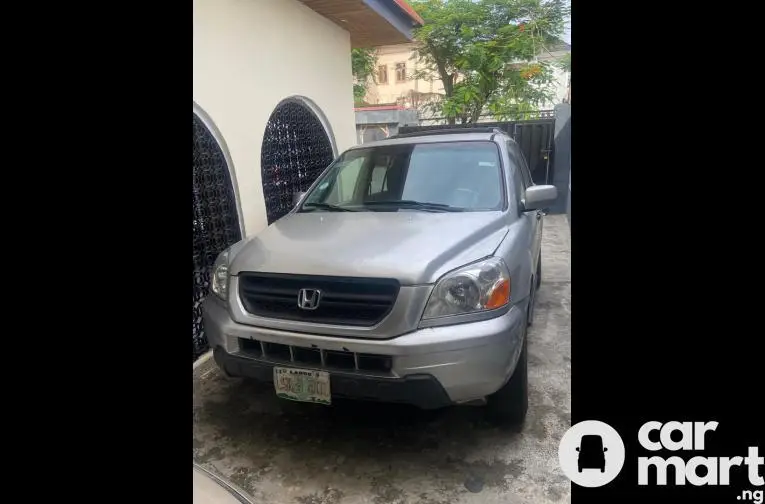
535, 138
296, 149
215, 219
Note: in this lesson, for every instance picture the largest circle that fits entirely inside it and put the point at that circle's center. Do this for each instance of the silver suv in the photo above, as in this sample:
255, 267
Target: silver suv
406, 273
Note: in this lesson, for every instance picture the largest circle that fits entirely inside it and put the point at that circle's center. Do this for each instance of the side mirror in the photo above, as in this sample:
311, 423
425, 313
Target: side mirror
605, 449
297, 197
539, 197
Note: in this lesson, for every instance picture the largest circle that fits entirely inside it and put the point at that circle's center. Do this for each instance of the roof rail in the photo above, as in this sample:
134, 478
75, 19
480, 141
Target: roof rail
450, 131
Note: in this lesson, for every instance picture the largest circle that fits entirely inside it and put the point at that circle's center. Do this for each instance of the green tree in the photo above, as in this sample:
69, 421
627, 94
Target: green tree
565, 62
483, 51
363, 63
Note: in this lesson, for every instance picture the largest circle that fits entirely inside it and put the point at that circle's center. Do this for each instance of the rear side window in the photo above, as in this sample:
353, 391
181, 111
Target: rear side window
519, 181
520, 162
525, 172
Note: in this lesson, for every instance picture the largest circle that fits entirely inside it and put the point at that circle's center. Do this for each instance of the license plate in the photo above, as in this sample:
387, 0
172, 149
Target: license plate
305, 385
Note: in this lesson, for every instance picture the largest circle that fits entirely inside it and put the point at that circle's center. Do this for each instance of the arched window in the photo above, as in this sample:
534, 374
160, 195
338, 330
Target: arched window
216, 216
297, 146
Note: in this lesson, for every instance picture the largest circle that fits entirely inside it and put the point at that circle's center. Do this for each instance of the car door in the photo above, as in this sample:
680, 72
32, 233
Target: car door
535, 216
538, 214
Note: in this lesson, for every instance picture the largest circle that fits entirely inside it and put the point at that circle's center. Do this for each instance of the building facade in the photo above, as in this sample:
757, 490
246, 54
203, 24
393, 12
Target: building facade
273, 106
397, 64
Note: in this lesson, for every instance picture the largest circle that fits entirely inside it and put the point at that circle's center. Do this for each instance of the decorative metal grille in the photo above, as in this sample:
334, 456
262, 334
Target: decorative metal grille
296, 149
216, 221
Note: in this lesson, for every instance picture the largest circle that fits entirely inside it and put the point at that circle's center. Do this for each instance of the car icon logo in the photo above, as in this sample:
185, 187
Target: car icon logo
591, 453
582, 453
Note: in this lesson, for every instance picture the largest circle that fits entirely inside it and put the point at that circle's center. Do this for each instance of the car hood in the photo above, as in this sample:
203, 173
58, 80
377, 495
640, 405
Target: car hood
413, 247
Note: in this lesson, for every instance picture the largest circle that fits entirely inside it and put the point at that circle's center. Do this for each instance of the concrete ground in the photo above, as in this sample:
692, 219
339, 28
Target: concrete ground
353, 452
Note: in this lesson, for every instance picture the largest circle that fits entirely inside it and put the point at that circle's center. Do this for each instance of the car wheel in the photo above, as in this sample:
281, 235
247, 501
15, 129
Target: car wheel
509, 404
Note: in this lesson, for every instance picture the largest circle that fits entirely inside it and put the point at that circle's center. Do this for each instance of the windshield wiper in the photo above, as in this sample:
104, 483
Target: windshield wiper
420, 205
326, 206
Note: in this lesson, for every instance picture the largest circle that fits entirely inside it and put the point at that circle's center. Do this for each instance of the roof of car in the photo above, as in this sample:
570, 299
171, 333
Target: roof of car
434, 136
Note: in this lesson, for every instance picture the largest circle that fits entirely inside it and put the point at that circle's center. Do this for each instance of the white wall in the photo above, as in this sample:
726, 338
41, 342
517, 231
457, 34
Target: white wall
251, 54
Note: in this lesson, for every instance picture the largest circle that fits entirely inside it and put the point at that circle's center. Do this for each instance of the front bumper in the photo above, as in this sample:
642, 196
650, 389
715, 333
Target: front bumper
423, 390
429, 367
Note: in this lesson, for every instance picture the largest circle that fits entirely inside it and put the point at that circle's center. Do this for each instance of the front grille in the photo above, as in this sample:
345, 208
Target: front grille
343, 301
314, 357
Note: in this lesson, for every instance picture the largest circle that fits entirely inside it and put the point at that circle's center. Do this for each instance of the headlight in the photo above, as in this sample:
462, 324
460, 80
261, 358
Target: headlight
480, 286
219, 276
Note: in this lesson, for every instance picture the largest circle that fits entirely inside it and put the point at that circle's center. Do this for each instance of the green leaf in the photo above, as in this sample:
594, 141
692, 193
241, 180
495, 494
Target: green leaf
483, 41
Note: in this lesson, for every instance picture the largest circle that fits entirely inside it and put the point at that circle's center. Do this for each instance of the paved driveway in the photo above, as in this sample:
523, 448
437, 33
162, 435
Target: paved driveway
284, 452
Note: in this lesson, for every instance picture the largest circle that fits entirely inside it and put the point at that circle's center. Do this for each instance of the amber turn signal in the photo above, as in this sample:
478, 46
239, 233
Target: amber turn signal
500, 294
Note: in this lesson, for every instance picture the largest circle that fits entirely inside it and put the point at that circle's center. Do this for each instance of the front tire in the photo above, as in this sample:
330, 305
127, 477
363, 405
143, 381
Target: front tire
509, 404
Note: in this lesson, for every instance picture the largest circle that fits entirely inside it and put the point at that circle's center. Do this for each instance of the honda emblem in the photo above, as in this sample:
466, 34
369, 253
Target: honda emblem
308, 299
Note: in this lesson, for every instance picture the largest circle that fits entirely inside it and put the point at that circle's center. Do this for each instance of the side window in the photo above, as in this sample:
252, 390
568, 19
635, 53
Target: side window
525, 172
400, 72
518, 181
520, 162
346, 182
378, 182
382, 74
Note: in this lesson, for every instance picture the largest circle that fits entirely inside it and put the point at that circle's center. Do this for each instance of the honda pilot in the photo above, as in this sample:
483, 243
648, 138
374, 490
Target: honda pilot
406, 273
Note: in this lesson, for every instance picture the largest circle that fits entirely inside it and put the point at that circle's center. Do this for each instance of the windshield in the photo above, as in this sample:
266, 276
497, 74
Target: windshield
454, 176
592, 443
